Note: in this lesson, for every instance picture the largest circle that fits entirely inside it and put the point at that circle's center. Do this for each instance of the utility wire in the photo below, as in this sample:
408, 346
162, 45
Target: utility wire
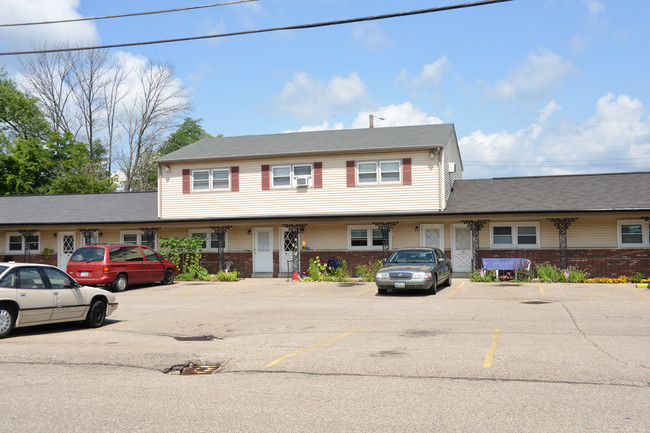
73, 20
274, 29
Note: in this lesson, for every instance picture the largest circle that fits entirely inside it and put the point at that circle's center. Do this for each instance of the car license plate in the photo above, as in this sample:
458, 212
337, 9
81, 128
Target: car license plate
84, 273
400, 285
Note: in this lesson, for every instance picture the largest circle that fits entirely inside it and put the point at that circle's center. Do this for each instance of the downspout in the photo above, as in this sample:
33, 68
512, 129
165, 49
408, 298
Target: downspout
441, 179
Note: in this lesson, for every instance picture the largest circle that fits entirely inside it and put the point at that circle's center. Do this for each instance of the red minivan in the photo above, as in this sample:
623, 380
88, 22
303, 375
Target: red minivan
119, 265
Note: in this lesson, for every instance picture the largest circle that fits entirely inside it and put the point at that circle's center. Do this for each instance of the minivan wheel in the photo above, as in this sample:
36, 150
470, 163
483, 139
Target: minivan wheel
120, 283
7, 320
169, 277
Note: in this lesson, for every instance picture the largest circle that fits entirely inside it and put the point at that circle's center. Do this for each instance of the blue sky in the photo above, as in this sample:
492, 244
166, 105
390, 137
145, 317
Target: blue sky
534, 87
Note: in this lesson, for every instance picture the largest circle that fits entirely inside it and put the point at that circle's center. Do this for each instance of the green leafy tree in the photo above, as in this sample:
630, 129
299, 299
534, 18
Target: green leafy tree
188, 132
36, 160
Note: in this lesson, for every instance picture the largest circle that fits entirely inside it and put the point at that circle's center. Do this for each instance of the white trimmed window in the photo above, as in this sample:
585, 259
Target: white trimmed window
16, 243
366, 238
210, 240
633, 234
514, 235
374, 172
286, 176
136, 237
211, 180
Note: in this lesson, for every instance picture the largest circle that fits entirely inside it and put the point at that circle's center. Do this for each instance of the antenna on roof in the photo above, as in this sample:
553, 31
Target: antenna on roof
372, 124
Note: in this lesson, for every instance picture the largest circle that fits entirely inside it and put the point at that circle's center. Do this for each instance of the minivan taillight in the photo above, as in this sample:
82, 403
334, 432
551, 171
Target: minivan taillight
106, 270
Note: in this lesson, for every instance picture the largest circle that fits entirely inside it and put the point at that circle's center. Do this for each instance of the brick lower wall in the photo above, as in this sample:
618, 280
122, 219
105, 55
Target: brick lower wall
598, 262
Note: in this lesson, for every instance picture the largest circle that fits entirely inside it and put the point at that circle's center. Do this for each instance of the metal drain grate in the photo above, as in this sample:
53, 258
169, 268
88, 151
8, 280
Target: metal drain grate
199, 369
199, 338
536, 302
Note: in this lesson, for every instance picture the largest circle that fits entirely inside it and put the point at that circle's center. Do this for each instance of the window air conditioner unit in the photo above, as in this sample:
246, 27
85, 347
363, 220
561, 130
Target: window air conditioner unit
302, 180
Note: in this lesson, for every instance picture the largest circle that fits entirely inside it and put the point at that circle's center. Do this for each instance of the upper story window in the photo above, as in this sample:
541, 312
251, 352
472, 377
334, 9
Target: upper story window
633, 233
514, 235
374, 172
211, 180
286, 176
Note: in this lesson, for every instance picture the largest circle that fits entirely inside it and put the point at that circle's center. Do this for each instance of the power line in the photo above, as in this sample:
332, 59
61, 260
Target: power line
73, 20
273, 29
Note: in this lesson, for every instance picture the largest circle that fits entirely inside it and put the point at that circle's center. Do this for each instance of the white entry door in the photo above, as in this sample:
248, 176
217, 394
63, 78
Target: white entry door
67, 242
432, 235
263, 250
461, 248
286, 251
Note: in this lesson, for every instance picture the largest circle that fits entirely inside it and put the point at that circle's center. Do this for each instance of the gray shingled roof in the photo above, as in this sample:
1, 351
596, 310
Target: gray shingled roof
316, 142
125, 207
590, 192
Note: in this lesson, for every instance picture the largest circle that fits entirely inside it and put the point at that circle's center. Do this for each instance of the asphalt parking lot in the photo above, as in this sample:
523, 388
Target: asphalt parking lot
299, 356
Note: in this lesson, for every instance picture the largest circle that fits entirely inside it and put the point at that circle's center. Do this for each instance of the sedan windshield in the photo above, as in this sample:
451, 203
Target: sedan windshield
88, 255
411, 256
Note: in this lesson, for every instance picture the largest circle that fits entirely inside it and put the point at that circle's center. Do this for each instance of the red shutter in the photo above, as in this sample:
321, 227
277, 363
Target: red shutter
318, 175
234, 178
406, 171
186, 181
266, 184
350, 173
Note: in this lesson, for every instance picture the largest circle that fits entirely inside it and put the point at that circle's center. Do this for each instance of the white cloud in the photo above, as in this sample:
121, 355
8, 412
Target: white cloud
431, 75
536, 78
371, 35
594, 6
395, 115
50, 35
309, 99
616, 138
322, 127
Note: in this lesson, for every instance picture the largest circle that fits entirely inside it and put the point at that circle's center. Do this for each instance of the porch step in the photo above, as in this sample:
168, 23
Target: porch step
262, 275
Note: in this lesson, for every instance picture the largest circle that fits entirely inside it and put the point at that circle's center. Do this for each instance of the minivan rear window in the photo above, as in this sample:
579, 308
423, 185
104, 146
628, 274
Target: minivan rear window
126, 254
90, 254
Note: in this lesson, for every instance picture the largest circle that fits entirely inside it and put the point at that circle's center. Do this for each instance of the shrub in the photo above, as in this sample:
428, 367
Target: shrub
369, 272
483, 275
186, 254
548, 273
319, 271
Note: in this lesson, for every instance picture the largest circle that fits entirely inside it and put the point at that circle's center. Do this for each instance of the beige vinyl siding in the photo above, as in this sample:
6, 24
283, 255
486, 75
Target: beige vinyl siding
335, 197
451, 154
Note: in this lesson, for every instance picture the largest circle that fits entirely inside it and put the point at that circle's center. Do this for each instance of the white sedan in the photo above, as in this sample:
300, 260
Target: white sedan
35, 294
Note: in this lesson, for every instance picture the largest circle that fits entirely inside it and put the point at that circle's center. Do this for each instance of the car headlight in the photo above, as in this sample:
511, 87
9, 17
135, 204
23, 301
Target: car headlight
382, 275
421, 275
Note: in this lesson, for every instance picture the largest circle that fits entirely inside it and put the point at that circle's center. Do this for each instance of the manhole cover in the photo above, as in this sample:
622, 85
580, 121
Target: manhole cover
199, 338
535, 302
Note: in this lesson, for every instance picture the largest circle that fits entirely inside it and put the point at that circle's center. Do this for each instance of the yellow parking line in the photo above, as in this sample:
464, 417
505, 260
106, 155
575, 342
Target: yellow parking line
370, 293
310, 347
635, 291
457, 289
540, 289
487, 363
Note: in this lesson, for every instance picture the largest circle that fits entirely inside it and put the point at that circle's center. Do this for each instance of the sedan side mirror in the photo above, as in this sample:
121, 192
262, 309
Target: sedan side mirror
441, 259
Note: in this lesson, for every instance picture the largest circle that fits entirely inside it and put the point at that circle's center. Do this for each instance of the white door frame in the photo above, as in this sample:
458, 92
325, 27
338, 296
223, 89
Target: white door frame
283, 255
262, 260
440, 227
63, 256
460, 256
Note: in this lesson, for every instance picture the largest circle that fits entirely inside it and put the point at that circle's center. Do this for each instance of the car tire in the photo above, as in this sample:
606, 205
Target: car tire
169, 277
120, 283
7, 320
434, 288
448, 283
96, 314
382, 291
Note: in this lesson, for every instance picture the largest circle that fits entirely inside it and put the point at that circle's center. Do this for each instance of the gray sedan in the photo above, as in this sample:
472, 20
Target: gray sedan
414, 268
